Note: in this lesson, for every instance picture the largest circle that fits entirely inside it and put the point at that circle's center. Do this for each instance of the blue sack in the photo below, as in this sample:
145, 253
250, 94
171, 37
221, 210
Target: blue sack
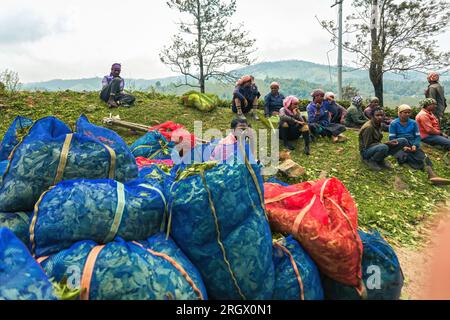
51, 153
123, 270
3, 166
276, 181
18, 223
21, 278
382, 274
153, 145
296, 274
217, 217
97, 210
10, 139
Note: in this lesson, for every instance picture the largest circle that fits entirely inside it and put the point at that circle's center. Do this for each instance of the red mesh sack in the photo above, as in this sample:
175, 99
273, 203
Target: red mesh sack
144, 162
167, 129
323, 217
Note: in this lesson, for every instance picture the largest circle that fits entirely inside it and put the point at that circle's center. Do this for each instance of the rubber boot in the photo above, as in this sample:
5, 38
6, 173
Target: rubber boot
255, 114
284, 136
307, 138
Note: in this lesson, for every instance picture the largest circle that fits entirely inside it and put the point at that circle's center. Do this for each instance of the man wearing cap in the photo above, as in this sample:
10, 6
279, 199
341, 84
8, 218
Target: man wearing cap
113, 87
273, 102
245, 98
319, 119
355, 117
436, 92
429, 128
412, 154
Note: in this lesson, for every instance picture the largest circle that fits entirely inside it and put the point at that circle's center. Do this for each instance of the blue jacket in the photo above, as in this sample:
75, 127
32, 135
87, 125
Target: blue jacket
273, 103
410, 132
323, 119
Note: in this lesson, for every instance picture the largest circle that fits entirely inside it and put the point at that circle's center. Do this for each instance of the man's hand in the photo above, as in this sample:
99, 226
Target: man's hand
275, 113
392, 143
407, 149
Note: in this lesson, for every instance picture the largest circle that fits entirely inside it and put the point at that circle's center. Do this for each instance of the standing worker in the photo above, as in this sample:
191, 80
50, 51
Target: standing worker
436, 91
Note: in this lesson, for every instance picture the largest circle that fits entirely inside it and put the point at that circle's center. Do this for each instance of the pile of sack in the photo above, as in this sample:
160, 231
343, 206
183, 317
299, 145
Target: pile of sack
77, 212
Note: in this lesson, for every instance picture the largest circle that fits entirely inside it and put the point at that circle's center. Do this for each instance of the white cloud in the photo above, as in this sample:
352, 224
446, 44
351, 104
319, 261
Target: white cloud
49, 39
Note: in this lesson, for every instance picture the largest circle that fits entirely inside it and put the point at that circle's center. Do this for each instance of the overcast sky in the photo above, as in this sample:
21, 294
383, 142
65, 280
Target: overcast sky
48, 39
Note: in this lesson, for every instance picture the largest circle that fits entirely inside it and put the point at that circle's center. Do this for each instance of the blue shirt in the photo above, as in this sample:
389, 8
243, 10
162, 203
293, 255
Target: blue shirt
331, 107
410, 132
273, 103
323, 119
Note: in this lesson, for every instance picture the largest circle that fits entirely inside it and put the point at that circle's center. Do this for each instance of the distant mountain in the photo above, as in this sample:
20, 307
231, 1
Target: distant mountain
296, 77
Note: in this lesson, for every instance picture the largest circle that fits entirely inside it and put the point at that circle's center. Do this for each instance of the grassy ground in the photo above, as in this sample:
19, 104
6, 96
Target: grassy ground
397, 214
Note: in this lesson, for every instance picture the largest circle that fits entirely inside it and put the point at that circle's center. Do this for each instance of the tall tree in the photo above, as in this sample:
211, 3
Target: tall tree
395, 36
207, 42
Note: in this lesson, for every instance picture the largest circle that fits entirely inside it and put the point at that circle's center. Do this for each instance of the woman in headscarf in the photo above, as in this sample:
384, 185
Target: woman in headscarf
356, 117
273, 101
245, 98
319, 119
293, 124
412, 154
436, 91
336, 111
113, 89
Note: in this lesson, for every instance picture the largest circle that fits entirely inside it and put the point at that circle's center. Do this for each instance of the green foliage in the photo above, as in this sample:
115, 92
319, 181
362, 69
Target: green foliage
397, 214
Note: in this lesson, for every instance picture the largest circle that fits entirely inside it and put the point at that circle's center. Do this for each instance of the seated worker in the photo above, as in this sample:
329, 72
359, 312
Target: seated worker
240, 134
374, 104
336, 111
319, 119
273, 102
372, 150
112, 89
293, 124
245, 99
412, 154
429, 128
355, 117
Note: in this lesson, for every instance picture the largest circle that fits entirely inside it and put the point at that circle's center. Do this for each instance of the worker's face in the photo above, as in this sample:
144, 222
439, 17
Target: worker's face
331, 98
294, 105
240, 129
375, 103
319, 98
405, 115
115, 71
247, 84
378, 117
432, 107
274, 90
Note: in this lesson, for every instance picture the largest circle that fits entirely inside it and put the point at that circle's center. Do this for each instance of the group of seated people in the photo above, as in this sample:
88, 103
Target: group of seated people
326, 118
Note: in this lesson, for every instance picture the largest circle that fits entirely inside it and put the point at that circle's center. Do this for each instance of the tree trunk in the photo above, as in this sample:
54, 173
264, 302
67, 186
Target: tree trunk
378, 88
200, 54
377, 58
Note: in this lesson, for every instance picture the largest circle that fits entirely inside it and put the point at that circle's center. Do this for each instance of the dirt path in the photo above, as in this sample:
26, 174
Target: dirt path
417, 263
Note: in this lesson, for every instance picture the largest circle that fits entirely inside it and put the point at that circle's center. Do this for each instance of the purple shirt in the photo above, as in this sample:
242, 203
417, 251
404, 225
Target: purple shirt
108, 79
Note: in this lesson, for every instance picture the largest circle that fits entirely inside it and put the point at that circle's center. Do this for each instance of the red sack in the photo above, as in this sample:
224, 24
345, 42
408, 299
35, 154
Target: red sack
323, 217
144, 162
167, 129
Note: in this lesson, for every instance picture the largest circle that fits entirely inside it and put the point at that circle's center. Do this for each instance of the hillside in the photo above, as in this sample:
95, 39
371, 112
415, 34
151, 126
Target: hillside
296, 77
397, 214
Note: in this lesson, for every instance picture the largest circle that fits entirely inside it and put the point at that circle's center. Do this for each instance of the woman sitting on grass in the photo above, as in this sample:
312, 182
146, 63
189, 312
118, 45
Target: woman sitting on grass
355, 117
412, 154
319, 119
293, 124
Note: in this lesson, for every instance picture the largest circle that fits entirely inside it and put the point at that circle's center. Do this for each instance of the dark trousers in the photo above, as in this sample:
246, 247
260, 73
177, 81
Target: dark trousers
381, 151
435, 140
332, 130
114, 89
416, 160
293, 132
